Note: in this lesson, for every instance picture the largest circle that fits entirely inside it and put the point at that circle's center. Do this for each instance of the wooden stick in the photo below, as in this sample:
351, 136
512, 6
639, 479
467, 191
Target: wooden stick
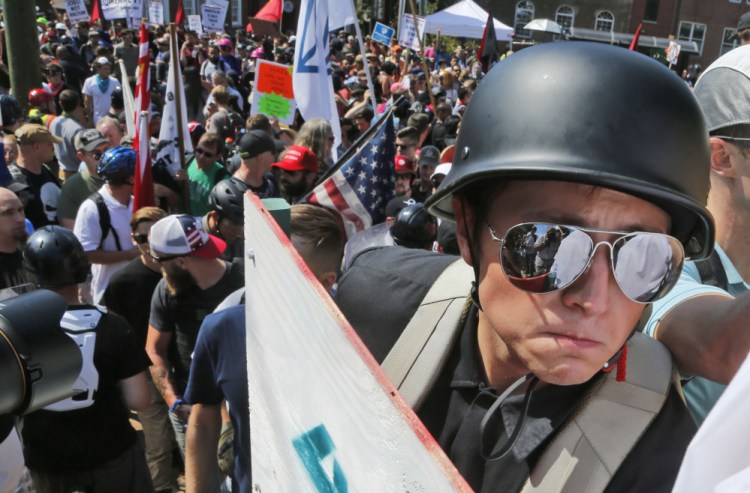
421, 48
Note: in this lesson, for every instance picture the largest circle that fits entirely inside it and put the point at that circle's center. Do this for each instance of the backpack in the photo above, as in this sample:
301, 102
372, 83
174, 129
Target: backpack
105, 221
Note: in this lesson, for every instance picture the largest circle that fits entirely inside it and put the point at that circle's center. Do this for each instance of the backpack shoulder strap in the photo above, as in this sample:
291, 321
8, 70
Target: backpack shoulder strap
415, 361
587, 451
105, 221
712, 271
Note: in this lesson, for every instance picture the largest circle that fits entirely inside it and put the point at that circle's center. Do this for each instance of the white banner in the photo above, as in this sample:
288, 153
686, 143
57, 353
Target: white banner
194, 23
77, 11
135, 11
407, 37
325, 417
169, 136
211, 18
156, 12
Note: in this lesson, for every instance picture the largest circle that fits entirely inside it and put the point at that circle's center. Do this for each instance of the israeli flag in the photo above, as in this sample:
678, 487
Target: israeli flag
313, 86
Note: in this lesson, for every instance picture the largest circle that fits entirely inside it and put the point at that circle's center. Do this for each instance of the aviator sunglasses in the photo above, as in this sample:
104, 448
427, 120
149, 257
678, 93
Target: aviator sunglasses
542, 258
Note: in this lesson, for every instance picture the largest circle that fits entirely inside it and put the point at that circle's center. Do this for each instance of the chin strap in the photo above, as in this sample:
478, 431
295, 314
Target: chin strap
475, 295
619, 360
508, 446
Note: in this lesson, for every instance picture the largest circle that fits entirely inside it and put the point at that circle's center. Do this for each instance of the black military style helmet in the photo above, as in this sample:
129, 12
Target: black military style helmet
595, 114
414, 227
226, 199
55, 257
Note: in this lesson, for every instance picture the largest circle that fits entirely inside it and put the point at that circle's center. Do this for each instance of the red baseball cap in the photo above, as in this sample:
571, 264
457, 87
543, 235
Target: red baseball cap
403, 164
298, 158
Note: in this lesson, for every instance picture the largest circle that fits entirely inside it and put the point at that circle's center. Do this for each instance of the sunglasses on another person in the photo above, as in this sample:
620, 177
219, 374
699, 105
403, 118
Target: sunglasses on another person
543, 258
202, 151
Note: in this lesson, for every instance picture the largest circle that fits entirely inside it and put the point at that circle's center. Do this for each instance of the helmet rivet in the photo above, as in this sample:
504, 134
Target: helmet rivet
465, 152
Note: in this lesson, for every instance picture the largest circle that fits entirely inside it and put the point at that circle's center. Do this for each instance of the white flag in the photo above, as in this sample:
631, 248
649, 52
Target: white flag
169, 134
342, 14
127, 95
313, 86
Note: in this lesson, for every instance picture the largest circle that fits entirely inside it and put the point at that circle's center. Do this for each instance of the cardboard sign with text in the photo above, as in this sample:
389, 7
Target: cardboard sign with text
76, 10
407, 37
211, 18
273, 95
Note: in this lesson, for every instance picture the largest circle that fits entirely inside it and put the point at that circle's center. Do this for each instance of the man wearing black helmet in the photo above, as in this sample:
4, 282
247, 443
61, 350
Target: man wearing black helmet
86, 442
525, 397
103, 220
225, 218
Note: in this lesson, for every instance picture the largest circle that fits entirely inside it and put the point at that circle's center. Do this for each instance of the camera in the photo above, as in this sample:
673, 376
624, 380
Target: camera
39, 362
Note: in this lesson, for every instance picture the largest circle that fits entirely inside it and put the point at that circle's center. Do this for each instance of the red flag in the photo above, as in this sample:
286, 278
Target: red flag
634, 42
143, 192
488, 49
179, 17
270, 11
96, 12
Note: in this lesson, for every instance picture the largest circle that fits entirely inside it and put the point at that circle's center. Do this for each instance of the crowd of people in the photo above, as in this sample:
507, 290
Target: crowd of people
528, 166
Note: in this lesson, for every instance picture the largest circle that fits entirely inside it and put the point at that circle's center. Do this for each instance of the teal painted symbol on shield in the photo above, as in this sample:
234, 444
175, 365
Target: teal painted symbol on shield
313, 448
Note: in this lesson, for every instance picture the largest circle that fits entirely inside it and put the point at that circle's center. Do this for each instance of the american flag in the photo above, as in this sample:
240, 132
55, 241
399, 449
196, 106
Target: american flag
193, 234
362, 182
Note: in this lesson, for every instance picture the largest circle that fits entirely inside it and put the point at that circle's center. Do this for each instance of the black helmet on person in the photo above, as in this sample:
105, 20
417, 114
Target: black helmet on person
55, 257
117, 165
117, 99
226, 199
594, 114
414, 227
10, 109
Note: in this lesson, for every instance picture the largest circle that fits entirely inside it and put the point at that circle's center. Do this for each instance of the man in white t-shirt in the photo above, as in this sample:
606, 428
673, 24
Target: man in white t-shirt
103, 220
97, 90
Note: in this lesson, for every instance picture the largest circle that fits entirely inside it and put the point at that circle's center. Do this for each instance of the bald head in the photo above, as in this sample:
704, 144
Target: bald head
12, 221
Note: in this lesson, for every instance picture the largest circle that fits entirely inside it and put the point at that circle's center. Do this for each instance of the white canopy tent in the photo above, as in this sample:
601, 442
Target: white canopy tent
464, 19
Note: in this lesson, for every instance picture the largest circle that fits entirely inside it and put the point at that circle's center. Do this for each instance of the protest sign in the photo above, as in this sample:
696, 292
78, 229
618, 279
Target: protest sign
224, 5
383, 34
76, 10
211, 18
115, 9
273, 95
135, 11
407, 37
673, 52
156, 12
194, 23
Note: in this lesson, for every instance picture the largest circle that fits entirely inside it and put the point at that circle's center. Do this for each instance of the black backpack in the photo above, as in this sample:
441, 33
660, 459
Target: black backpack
105, 222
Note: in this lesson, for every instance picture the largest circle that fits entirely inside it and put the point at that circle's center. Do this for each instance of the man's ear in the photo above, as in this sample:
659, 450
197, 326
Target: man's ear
464, 227
328, 279
721, 153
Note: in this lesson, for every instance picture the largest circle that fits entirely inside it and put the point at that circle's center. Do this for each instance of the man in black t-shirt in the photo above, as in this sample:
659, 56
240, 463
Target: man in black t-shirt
42, 188
195, 281
86, 442
12, 234
129, 294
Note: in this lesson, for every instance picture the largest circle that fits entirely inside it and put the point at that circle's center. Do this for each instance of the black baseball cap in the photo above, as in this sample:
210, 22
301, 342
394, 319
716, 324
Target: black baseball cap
255, 143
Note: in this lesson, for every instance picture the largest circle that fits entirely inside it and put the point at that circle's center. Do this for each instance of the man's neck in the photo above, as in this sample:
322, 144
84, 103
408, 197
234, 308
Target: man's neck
500, 367
8, 244
250, 174
69, 292
732, 227
120, 193
210, 273
29, 164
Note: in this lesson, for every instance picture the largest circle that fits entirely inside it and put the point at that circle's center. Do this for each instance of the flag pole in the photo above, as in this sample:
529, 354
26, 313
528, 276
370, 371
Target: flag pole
175, 59
421, 48
367, 67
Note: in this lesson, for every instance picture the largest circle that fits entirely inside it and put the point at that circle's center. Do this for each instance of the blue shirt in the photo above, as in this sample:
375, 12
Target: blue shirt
701, 394
219, 371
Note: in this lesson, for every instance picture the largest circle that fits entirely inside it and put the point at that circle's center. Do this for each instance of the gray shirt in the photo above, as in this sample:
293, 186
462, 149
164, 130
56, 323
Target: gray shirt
66, 128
